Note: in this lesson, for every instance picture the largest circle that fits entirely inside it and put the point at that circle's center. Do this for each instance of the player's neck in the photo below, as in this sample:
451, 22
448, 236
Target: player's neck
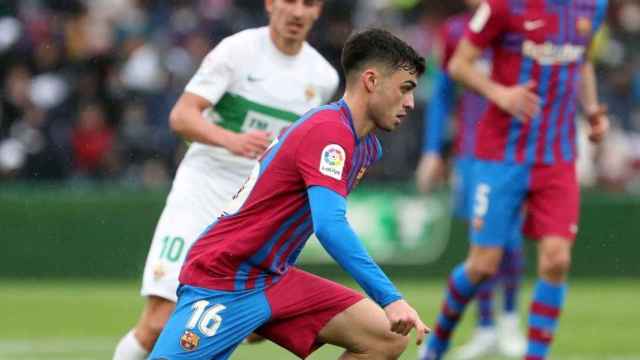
286, 46
362, 123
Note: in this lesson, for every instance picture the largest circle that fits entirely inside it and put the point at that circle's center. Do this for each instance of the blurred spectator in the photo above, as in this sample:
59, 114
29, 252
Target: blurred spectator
87, 85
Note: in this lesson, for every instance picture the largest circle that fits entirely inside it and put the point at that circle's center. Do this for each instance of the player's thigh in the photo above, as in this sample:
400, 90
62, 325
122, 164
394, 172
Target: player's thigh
499, 191
177, 229
553, 205
301, 306
362, 328
210, 324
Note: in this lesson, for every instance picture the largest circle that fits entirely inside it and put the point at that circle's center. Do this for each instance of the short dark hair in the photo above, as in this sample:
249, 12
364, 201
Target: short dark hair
380, 46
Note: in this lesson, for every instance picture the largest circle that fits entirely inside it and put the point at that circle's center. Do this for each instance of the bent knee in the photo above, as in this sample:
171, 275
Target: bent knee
482, 270
555, 265
390, 347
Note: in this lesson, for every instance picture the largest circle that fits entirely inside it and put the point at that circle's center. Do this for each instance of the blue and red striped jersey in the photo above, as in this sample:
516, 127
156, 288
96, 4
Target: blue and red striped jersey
541, 40
261, 233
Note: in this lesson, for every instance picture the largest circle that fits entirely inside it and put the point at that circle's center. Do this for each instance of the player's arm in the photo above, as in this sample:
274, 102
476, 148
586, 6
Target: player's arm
187, 120
207, 86
518, 100
328, 213
431, 166
594, 111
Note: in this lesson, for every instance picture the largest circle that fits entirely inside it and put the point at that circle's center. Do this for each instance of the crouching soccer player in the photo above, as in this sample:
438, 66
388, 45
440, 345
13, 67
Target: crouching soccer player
239, 276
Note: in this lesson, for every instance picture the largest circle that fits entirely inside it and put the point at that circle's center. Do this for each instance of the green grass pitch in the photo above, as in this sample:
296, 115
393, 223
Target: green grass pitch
73, 320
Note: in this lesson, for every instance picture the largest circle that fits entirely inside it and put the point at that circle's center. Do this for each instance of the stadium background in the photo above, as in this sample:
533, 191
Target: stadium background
76, 220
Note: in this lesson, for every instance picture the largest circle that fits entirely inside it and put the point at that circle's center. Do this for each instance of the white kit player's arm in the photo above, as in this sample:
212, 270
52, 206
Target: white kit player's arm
187, 120
213, 78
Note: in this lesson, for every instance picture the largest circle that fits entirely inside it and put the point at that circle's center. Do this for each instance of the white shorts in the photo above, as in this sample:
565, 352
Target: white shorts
199, 192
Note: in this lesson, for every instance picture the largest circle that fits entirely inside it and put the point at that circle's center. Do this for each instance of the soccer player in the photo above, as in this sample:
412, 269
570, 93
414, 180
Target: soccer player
239, 277
526, 150
257, 81
469, 106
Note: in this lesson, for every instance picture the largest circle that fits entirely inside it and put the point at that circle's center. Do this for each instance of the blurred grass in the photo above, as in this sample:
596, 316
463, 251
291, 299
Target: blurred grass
54, 319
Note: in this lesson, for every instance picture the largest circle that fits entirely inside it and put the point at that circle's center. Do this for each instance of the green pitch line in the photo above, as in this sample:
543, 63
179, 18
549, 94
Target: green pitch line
73, 320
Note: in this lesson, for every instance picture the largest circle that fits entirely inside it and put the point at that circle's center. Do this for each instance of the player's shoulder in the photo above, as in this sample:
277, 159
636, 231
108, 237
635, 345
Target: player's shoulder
320, 64
244, 40
326, 121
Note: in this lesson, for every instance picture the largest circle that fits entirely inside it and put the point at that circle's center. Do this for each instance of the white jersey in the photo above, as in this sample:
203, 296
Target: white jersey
252, 86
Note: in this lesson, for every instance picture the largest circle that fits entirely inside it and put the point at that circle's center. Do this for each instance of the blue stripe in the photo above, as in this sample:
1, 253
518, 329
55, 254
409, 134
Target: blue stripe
264, 163
454, 305
536, 348
534, 130
542, 322
264, 251
567, 151
559, 97
601, 11
550, 294
516, 125
445, 322
301, 229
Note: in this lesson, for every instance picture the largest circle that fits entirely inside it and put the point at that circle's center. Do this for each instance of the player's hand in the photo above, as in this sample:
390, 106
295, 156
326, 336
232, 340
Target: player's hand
520, 101
430, 172
250, 144
403, 318
599, 122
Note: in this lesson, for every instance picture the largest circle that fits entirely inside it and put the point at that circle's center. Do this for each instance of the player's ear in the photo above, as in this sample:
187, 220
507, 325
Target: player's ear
369, 79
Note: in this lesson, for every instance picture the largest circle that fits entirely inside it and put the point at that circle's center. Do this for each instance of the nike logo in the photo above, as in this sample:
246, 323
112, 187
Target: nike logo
533, 24
252, 78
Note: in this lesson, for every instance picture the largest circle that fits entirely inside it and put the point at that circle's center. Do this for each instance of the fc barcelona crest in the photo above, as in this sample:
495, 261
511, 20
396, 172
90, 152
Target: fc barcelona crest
584, 26
189, 341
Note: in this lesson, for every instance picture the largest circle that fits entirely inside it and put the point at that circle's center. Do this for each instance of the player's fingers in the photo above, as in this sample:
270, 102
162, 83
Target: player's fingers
421, 332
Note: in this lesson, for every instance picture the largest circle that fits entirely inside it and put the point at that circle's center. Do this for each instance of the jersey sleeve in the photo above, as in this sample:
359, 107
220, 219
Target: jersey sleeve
215, 74
323, 157
487, 23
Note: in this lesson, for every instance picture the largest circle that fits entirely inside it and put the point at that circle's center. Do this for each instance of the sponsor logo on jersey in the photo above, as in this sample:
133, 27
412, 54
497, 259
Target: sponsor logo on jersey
531, 25
332, 161
189, 341
480, 18
584, 26
549, 53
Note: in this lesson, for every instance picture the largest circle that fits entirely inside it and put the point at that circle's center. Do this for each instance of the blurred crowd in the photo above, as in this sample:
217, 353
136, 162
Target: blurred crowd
87, 85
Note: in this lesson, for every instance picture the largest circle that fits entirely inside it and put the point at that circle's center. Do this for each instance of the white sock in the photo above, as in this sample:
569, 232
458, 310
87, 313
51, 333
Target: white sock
129, 348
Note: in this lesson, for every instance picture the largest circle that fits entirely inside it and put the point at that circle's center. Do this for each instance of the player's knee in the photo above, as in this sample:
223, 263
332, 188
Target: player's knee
555, 265
391, 348
482, 270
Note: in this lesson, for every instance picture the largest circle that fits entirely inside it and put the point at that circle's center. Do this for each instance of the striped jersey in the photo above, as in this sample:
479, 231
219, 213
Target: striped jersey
541, 40
470, 105
262, 231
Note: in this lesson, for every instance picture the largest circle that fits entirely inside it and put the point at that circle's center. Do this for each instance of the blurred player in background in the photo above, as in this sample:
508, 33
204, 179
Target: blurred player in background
526, 151
240, 275
470, 106
248, 88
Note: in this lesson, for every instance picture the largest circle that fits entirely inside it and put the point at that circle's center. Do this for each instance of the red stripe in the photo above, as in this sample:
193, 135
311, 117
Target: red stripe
540, 335
521, 146
570, 90
449, 313
442, 333
531, 357
456, 295
539, 308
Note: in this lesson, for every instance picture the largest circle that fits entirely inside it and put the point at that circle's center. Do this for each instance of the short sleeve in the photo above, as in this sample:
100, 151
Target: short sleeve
215, 74
323, 157
487, 23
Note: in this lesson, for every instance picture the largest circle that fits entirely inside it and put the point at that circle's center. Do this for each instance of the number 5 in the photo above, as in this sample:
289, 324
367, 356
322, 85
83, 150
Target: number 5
481, 200
210, 321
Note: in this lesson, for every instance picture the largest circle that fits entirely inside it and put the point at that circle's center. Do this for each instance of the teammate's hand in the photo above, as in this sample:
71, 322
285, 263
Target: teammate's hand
520, 101
599, 122
403, 318
430, 172
250, 144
